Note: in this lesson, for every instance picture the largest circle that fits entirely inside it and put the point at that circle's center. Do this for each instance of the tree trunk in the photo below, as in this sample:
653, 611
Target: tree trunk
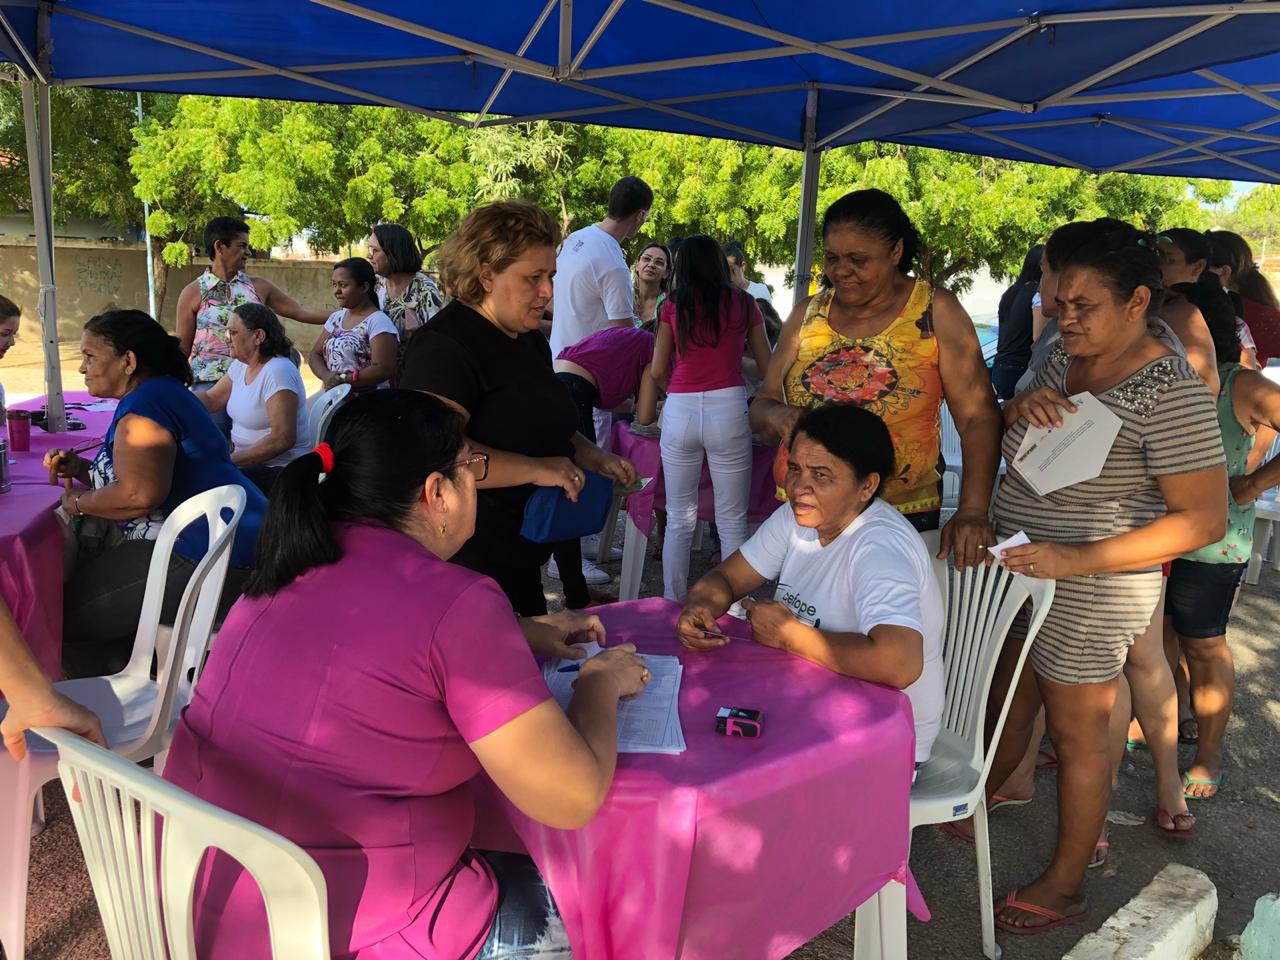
161, 271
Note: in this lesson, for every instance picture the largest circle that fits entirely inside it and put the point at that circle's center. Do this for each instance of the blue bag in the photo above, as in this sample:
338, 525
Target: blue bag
550, 516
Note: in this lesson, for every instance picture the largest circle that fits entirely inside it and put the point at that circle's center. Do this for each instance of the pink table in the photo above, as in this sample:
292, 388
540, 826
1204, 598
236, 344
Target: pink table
646, 454
735, 848
31, 540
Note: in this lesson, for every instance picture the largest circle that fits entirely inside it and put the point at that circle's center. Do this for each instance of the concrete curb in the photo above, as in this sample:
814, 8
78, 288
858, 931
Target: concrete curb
1171, 918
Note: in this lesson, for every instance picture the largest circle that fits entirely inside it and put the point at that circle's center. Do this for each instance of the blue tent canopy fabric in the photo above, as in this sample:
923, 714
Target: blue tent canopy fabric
1172, 87
1154, 87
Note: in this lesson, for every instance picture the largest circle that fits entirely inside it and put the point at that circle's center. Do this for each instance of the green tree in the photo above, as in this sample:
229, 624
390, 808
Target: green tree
92, 137
1256, 216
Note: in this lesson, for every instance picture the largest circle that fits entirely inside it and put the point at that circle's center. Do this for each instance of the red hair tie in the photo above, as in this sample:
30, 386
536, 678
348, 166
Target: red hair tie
325, 453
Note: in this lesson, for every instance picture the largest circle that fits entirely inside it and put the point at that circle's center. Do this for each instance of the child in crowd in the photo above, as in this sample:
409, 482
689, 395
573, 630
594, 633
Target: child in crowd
603, 371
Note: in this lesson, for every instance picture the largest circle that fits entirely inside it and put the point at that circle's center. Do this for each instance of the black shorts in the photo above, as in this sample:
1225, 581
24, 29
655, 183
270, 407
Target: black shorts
1199, 597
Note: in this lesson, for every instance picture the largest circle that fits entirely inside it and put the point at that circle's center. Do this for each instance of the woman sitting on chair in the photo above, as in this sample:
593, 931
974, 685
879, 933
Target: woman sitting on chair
160, 450
263, 394
348, 713
856, 591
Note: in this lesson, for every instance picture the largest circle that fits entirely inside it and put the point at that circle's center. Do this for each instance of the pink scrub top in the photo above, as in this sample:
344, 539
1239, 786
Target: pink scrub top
338, 713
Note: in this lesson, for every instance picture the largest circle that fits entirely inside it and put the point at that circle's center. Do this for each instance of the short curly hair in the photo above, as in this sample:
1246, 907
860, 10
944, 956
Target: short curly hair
496, 235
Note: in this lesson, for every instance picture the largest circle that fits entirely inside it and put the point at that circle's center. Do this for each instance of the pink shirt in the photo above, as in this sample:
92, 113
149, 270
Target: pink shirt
616, 357
338, 714
702, 368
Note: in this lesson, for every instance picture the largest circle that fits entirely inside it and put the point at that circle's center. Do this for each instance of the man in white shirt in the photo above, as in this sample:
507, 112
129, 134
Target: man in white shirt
593, 282
594, 291
737, 259
856, 591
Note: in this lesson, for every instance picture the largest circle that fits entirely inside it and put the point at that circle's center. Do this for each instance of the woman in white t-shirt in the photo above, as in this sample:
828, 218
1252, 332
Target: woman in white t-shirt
263, 394
359, 342
856, 591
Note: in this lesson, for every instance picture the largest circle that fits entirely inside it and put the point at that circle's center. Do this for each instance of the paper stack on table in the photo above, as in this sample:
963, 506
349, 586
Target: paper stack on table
1056, 457
648, 724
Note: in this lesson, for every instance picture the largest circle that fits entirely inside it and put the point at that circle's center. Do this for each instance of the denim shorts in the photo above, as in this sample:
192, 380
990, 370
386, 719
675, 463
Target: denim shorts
527, 925
1199, 597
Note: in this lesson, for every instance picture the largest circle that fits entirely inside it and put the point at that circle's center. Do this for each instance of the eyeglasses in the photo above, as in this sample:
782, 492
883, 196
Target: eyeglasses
470, 462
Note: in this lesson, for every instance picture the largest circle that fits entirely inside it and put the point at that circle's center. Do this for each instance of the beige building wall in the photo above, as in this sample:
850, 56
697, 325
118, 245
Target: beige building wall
94, 275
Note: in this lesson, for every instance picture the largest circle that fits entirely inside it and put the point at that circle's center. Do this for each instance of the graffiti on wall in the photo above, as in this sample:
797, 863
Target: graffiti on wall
99, 274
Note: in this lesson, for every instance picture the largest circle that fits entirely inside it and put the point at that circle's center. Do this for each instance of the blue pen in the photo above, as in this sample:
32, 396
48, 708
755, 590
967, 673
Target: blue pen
571, 668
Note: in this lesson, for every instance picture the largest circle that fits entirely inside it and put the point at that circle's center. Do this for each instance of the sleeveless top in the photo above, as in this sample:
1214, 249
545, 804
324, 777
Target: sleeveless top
210, 351
1237, 544
894, 374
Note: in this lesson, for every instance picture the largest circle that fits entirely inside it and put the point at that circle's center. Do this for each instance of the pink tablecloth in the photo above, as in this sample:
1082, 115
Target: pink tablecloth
645, 453
735, 848
30, 539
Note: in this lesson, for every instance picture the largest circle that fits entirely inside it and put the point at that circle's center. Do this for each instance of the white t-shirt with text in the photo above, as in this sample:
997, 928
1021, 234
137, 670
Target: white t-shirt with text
877, 572
247, 406
592, 287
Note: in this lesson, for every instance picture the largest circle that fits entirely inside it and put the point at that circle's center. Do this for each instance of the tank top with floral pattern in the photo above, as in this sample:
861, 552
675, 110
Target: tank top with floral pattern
894, 374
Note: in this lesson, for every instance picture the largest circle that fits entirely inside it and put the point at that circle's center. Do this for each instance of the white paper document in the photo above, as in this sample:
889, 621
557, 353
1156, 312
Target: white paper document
1017, 540
649, 724
1056, 457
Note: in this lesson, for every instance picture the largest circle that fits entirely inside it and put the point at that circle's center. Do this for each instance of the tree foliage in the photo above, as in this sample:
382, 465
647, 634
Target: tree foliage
332, 172
1257, 217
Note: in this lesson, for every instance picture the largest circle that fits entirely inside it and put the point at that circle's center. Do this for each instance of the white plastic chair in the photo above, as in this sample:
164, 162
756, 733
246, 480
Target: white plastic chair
951, 454
323, 407
981, 603
136, 711
1267, 512
143, 841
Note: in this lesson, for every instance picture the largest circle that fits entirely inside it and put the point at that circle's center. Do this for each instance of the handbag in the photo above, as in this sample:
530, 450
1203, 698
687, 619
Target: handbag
550, 516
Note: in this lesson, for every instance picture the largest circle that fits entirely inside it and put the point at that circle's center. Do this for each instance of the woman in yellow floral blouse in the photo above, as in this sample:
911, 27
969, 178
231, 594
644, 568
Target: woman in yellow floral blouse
879, 337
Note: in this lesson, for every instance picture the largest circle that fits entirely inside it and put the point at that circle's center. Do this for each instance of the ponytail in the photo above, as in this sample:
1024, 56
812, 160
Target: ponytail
382, 447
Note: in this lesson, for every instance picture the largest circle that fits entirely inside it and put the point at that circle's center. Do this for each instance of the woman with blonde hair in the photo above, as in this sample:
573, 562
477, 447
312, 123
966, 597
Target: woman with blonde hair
485, 356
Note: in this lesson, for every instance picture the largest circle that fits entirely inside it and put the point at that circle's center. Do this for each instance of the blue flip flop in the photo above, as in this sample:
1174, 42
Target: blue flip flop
1217, 784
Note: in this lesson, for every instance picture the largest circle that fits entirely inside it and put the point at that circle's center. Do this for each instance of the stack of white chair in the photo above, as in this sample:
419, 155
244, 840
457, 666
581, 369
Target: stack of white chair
136, 711
143, 841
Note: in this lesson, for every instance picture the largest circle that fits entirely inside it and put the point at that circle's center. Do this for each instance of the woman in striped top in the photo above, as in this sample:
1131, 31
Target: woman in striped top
1161, 493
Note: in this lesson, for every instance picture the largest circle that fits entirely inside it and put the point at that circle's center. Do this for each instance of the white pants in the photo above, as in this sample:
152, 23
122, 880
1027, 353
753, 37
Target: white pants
714, 423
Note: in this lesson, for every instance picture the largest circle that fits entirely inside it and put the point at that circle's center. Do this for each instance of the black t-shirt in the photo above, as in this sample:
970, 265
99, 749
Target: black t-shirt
1015, 316
516, 403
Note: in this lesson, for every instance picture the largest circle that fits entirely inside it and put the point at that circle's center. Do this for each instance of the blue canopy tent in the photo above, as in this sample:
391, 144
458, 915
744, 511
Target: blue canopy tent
1146, 86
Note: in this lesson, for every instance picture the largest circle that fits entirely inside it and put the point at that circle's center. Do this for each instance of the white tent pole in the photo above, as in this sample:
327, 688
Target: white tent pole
35, 115
146, 235
808, 200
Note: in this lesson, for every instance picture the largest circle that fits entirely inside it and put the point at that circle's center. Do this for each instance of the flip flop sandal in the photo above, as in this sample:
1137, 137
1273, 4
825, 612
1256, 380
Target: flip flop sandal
997, 801
955, 831
1097, 861
1053, 918
1217, 784
1185, 738
1173, 832
1134, 745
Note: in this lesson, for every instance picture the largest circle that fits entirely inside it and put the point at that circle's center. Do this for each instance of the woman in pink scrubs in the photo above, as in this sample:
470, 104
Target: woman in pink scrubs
363, 680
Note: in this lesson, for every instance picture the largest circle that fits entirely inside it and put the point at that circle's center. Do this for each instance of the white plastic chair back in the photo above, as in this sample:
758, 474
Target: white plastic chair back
951, 453
143, 842
323, 409
981, 603
221, 508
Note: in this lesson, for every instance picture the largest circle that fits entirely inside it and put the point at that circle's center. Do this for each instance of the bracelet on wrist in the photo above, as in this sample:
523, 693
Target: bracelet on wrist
76, 504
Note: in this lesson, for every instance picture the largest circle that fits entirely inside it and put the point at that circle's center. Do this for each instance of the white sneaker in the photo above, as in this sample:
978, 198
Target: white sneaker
593, 574
591, 547
590, 572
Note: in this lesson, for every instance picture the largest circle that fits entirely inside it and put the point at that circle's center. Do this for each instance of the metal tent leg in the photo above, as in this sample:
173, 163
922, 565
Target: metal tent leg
35, 113
808, 200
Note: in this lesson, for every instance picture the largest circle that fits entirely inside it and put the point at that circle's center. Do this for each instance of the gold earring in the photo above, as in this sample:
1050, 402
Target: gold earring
443, 529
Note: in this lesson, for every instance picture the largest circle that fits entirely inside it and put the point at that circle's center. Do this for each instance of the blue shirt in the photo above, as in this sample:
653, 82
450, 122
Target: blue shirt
202, 462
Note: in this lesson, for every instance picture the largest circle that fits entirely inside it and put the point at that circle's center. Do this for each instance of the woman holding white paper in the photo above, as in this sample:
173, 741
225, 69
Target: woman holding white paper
1158, 495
